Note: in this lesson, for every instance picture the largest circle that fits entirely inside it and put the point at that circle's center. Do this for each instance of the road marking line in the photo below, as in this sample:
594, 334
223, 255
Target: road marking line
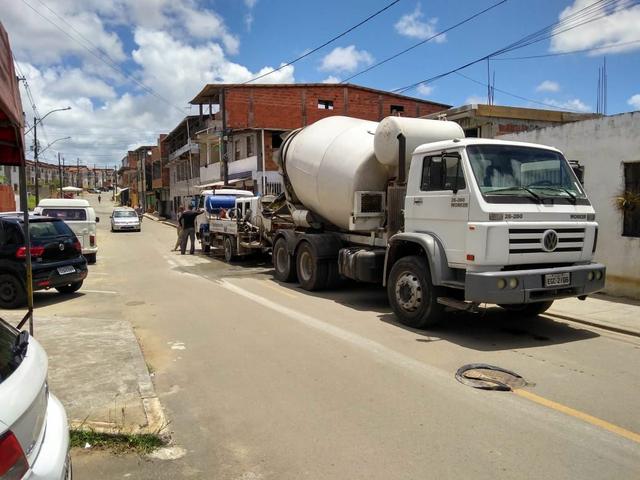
110, 292
282, 290
585, 417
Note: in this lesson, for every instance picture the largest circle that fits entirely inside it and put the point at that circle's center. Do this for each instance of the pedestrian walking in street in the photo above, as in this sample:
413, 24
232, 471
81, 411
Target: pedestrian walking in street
99, 198
179, 229
188, 223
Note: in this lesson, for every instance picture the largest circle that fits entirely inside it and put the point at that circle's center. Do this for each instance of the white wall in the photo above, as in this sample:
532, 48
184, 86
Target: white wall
602, 145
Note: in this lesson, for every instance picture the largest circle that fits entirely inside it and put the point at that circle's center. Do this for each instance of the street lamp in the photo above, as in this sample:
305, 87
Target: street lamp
35, 144
56, 140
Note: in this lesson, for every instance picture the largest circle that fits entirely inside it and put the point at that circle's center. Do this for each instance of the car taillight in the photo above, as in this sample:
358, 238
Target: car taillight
13, 462
77, 246
35, 252
92, 240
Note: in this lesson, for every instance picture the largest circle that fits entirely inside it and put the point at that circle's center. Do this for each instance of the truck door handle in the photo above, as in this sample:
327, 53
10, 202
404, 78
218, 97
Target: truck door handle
417, 200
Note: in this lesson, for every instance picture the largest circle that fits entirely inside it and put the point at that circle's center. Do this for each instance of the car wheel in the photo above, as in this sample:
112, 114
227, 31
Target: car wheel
71, 288
412, 296
529, 309
283, 264
91, 258
12, 293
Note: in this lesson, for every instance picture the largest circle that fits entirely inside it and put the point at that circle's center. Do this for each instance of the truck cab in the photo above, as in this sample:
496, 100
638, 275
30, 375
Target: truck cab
495, 222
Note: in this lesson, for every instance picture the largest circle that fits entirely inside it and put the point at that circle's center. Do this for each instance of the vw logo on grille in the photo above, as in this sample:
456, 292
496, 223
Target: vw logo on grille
549, 240
61, 246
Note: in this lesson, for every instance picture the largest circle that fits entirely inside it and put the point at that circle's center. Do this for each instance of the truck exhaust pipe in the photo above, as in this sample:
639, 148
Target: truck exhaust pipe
402, 152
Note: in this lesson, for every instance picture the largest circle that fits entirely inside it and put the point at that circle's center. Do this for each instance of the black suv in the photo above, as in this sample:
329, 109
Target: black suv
56, 258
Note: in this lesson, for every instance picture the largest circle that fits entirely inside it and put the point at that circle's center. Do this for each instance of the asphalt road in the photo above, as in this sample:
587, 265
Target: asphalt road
262, 380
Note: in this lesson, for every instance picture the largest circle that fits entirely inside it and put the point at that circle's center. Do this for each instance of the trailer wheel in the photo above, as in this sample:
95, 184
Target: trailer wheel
412, 296
312, 273
283, 265
228, 250
529, 309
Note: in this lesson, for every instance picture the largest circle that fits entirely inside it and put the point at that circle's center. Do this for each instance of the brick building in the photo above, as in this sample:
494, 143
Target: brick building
256, 115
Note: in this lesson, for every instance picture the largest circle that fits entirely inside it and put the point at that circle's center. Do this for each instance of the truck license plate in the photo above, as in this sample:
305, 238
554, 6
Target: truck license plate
65, 270
557, 279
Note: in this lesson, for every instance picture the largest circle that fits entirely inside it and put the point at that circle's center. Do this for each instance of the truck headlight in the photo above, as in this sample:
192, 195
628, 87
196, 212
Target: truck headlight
502, 283
513, 282
598, 274
590, 276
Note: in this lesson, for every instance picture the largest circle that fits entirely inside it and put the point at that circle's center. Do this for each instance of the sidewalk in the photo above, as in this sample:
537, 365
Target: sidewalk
98, 372
612, 313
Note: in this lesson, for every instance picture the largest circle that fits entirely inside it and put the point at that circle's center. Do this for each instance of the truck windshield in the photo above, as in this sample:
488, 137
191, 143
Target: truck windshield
508, 173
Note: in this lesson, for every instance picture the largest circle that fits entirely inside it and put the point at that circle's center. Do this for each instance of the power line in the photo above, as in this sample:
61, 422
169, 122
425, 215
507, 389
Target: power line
515, 95
415, 45
592, 12
111, 63
304, 55
571, 52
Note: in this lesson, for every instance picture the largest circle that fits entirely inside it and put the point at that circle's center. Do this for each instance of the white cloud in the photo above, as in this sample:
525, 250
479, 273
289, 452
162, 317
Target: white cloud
634, 101
205, 24
475, 99
412, 25
548, 86
574, 104
248, 18
619, 25
331, 79
345, 59
424, 89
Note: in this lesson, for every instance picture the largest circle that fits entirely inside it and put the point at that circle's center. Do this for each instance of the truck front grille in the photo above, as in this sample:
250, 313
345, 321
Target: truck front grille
529, 240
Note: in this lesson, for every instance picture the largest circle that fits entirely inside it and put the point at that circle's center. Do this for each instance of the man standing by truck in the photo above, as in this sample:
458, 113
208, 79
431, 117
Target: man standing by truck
187, 222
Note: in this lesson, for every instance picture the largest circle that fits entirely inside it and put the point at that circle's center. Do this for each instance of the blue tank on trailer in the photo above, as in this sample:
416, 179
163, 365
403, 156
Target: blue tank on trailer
213, 203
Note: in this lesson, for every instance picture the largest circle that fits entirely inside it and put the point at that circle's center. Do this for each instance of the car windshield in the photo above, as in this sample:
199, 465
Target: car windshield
124, 214
73, 214
535, 173
39, 231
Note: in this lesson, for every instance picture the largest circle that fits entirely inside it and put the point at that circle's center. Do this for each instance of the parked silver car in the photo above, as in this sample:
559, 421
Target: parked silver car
125, 219
34, 433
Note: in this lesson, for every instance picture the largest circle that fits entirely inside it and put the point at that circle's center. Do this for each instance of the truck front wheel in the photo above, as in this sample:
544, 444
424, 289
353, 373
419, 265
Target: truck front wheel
529, 309
312, 274
412, 296
229, 254
282, 262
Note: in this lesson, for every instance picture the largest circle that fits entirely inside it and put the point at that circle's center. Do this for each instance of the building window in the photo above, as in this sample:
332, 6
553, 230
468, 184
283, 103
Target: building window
250, 146
236, 146
631, 223
397, 110
325, 104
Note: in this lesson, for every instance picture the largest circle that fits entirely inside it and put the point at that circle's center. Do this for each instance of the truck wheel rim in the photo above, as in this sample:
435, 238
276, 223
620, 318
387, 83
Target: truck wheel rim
227, 249
281, 259
306, 266
409, 292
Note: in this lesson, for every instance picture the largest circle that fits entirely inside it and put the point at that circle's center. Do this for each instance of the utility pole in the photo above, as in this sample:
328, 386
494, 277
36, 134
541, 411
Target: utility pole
35, 155
115, 182
60, 175
78, 174
223, 144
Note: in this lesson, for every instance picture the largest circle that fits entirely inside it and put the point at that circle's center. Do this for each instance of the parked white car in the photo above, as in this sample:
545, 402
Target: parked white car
34, 433
80, 216
125, 219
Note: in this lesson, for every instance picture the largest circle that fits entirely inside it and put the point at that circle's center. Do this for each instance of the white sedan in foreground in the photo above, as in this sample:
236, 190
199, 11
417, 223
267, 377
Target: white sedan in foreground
34, 433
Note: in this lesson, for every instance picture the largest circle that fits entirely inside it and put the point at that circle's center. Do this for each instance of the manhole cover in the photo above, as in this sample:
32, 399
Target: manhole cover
489, 377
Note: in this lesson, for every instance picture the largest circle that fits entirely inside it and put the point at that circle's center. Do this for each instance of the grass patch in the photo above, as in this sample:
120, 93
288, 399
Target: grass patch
116, 442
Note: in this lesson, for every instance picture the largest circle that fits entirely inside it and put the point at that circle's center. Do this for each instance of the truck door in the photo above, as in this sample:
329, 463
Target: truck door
438, 202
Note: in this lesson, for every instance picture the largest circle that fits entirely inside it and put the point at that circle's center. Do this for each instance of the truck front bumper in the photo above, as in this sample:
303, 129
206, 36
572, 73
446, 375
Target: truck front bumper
528, 286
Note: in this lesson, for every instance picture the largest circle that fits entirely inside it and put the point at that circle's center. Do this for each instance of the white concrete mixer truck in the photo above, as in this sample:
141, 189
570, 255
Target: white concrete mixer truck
440, 220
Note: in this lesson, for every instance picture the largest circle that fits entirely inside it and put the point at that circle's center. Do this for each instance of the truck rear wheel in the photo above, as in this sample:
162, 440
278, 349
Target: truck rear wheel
412, 296
312, 274
229, 254
282, 262
529, 309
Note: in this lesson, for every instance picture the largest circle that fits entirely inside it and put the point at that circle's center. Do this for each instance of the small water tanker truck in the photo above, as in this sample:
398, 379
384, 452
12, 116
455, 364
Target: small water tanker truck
440, 220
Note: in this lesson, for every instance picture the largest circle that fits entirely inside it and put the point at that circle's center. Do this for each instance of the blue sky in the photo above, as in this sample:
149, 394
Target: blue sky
172, 48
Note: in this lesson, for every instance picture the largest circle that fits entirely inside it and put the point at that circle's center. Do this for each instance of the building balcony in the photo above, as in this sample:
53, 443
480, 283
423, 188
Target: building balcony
195, 148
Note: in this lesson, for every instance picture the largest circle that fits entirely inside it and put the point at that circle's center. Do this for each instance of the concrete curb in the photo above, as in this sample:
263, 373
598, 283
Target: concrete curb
591, 323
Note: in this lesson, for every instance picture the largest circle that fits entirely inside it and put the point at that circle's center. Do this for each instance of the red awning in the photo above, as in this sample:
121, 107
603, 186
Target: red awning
11, 116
